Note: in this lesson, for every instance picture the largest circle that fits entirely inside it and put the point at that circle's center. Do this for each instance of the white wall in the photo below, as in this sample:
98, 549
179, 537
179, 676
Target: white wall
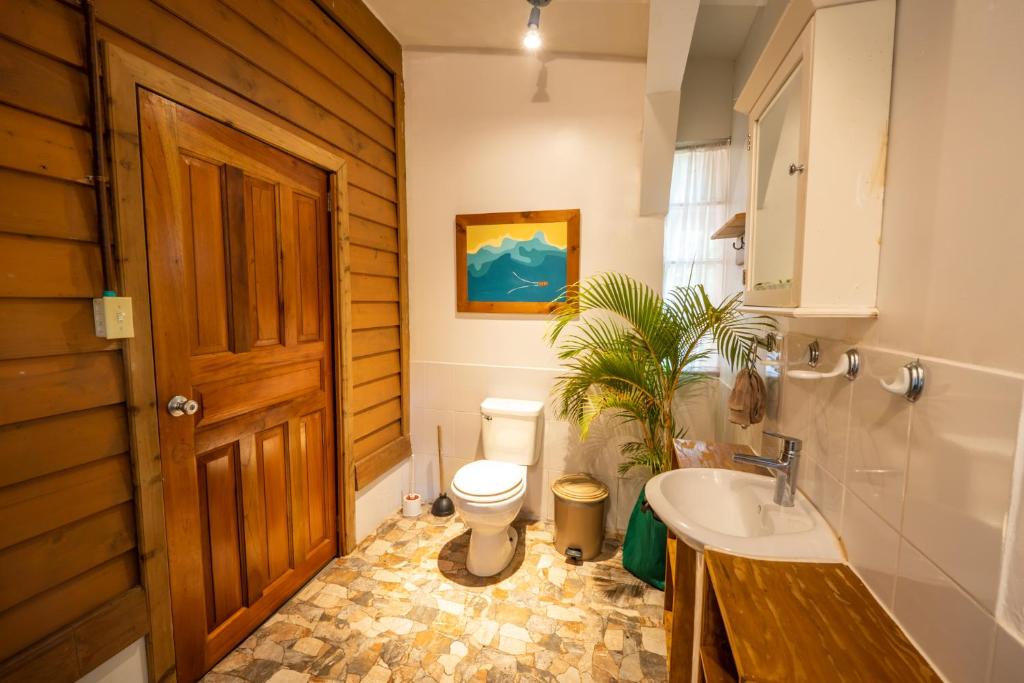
705, 101
127, 666
927, 497
509, 133
382, 498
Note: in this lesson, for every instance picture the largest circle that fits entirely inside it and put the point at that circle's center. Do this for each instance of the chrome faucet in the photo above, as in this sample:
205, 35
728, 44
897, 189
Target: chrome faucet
785, 468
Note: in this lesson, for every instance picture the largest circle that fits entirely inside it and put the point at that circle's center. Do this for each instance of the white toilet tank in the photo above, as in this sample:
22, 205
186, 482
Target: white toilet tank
511, 430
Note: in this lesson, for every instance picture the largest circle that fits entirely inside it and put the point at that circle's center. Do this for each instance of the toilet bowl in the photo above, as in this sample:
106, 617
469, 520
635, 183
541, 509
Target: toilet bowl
488, 494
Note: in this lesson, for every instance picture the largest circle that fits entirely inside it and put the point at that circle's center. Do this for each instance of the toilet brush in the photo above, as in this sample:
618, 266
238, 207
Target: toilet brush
443, 506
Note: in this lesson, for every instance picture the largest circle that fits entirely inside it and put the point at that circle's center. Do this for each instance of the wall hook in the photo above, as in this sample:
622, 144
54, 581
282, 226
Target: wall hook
910, 382
848, 365
813, 353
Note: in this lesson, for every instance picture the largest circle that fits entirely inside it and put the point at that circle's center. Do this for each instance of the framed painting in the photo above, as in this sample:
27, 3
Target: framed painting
516, 262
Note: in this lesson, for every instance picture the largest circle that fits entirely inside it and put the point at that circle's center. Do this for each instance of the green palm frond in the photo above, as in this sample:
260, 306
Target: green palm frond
639, 454
626, 351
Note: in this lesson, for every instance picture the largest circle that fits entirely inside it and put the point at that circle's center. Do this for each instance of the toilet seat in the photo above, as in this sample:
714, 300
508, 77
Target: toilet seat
488, 481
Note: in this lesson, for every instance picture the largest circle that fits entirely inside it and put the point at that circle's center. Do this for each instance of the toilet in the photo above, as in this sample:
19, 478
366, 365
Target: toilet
488, 494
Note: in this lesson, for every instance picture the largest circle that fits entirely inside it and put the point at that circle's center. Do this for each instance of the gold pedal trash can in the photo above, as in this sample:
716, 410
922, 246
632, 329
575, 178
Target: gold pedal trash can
579, 515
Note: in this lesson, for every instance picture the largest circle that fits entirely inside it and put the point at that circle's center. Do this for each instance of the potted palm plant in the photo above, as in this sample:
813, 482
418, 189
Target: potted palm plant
631, 357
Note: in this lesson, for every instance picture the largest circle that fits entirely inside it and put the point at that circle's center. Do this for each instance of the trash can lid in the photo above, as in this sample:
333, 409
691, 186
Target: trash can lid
579, 488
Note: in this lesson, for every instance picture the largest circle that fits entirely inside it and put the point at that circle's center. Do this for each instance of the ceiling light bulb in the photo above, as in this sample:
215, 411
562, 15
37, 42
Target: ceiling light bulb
532, 41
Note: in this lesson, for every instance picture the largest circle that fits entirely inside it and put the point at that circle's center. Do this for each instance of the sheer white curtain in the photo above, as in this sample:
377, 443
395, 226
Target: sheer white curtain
698, 205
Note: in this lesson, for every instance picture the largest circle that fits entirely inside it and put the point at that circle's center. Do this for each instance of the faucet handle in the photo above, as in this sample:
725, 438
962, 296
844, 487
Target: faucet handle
790, 444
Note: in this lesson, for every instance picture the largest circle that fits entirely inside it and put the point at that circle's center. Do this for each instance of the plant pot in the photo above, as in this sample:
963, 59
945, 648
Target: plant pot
643, 549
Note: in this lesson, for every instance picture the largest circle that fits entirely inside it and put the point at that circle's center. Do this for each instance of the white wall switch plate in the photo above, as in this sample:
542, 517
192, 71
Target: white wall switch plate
113, 317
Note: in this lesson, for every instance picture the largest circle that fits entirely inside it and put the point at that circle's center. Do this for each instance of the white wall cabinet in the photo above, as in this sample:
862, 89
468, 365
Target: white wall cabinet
817, 102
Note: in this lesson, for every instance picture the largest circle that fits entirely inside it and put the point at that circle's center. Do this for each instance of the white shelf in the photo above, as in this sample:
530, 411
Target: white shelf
814, 312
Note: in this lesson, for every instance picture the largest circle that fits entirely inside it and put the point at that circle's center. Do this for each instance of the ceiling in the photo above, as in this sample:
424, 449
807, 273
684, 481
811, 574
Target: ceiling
616, 28
722, 28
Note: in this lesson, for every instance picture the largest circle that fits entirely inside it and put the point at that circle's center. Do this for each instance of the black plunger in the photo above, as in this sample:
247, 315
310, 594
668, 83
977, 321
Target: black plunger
443, 505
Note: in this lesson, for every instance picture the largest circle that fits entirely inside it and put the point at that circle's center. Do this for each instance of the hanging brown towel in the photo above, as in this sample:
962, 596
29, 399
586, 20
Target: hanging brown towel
746, 402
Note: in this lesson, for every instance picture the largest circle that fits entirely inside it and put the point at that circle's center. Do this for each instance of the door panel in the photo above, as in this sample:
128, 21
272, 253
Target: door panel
203, 244
272, 454
230, 398
313, 454
261, 223
237, 238
218, 498
308, 237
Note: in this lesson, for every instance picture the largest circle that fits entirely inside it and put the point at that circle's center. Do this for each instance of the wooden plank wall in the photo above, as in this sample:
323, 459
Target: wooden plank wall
67, 523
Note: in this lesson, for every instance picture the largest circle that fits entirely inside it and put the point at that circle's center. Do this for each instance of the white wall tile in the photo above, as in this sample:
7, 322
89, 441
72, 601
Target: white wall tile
831, 413
418, 384
1008, 660
429, 383
451, 466
438, 378
628, 491
872, 547
469, 387
425, 422
533, 501
822, 489
1011, 596
879, 435
466, 442
425, 480
951, 628
559, 445
548, 498
797, 397
611, 509
962, 440
529, 384
817, 410
924, 495
424, 447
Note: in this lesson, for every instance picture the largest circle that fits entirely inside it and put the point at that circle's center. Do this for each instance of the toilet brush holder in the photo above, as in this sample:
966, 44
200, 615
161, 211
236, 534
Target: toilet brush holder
411, 505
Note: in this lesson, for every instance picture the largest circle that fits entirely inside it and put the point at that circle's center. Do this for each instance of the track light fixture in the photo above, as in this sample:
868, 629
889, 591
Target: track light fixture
532, 41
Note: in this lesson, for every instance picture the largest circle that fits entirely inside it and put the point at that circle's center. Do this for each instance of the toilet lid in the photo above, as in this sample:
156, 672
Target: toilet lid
488, 478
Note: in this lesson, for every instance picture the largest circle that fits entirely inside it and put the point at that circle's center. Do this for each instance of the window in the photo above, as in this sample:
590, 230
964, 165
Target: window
698, 205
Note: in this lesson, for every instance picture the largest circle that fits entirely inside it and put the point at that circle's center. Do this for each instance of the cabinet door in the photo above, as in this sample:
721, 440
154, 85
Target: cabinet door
778, 125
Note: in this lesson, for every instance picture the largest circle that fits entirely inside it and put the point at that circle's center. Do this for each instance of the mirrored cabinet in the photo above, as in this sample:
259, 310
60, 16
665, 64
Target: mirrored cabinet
817, 103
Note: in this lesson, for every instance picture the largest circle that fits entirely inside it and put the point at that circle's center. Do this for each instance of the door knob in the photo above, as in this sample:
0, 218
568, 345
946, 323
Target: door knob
796, 168
181, 405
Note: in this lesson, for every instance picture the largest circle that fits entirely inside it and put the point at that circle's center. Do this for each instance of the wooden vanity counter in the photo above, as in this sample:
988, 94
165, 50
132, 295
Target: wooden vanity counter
691, 454
773, 621
804, 621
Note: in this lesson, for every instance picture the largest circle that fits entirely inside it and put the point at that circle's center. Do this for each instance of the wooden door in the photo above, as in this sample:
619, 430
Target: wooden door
238, 247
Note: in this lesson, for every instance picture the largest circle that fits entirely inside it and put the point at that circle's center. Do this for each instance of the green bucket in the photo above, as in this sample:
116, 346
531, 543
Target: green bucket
643, 550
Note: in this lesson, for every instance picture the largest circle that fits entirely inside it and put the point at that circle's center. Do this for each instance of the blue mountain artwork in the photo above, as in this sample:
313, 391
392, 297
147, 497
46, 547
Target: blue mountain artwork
531, 270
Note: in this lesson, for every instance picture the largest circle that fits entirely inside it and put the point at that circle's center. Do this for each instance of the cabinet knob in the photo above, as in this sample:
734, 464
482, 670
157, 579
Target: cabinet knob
796, 168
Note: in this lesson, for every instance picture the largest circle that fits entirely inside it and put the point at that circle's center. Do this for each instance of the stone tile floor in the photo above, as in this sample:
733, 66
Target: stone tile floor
402, 607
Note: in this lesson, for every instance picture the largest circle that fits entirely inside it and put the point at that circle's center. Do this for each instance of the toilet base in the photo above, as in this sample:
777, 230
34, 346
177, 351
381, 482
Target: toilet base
490, 551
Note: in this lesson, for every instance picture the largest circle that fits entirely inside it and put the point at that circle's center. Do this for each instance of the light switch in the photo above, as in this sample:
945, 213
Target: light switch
113, 316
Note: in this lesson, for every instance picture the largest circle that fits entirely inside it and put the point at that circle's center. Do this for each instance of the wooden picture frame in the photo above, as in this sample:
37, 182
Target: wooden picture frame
474, 294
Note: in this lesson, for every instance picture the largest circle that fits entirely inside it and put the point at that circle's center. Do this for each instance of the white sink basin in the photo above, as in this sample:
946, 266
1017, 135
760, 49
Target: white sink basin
734, 512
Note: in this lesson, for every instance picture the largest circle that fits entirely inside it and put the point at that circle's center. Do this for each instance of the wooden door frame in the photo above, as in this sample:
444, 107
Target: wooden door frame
125, 73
